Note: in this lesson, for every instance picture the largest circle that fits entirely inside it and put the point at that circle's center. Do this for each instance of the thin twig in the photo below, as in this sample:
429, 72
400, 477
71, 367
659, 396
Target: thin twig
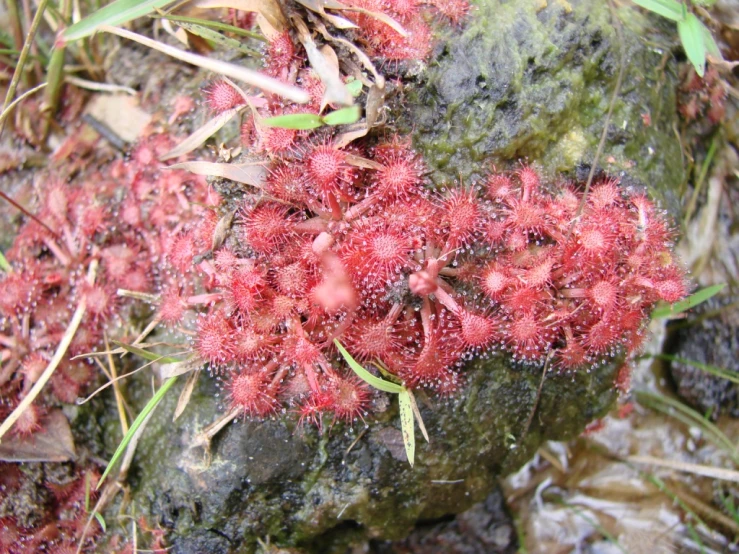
538, 396
116, 388
94, 85
61, 351
25, 212
7, 111
696, 469
611, 105
253, 78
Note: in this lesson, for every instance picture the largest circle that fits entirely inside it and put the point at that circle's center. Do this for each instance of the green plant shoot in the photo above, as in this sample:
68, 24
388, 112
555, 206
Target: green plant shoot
690, 302
406, 402
695, 37
306, 121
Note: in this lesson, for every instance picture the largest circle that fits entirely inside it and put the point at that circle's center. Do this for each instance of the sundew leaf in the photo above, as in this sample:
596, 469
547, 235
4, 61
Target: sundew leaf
365, 375
690, 302
344, 116
146, 354
671, 9
299, 121
406, 424
692, 38
708, 368
115, 13
158, 395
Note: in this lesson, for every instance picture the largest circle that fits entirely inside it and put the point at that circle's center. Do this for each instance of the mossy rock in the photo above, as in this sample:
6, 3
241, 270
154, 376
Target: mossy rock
522, 80
319, 492
533, 80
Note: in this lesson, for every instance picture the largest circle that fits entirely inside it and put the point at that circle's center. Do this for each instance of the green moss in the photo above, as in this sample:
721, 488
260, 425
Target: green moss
523, 82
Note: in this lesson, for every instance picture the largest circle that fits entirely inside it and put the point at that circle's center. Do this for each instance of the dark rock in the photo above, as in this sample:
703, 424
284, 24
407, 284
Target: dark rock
486, 528
323, 492
710, 337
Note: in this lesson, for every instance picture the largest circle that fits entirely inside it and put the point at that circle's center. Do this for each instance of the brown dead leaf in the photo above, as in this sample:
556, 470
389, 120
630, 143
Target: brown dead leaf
245, 173
359, 161
202, 134
269, 9
222, 228
120, 112
360, 55
186, 393
375, 102
175, 369
326, 66
54, 443
335, 20
355, 132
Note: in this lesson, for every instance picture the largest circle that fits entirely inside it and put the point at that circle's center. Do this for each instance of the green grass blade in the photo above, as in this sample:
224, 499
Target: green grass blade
711, 46
660, 484
687, 415
691, 36
365, 375
151, 356
344, 116
299, 121
406, 424
101, 521
4, 265
690, 302
712, 369
158, 395
116, 13
671, 9
217, 38
217, 25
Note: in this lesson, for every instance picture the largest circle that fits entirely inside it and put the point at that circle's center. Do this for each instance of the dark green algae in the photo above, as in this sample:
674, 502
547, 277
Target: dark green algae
519, 81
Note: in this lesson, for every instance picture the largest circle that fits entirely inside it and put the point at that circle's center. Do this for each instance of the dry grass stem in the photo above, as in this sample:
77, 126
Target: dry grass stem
696, 469
61, 351
248, 76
